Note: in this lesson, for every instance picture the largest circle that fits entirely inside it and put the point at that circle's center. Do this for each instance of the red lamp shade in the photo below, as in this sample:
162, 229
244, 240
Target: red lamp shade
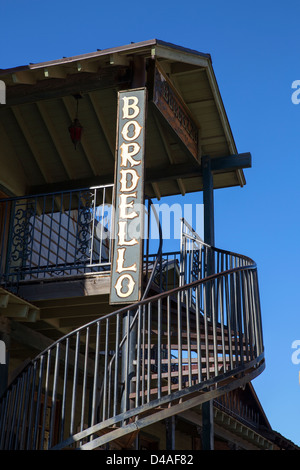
75, 130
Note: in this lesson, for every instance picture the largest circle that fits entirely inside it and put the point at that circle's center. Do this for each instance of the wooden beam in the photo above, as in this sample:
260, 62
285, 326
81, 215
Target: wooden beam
33, 339
33, 315
24, 77
73, 302
231, 162
15, 311
108, 77
118, 59
89, 285
4, 299
90, 67
181, 170
54, 72
75, 312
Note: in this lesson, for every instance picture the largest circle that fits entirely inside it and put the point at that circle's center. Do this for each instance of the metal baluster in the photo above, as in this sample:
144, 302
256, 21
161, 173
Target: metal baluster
42, 234
169, 344
38, 401
206, 301
50, 231
3, 233
64, 391
149, 351
4, 419
143, 354
45, 398
138, 360
228, 310
54, 392
214, 326
15, 402
29, 435
222, 320
258, 312
245, 314
25, 409
33, 238
239, 316
9, 408
102, 228
188, 293
95, 382
116, 375
84, 382
74, 391
198, 330
179, 340
20, 400
159, 346
105, 379
59, 229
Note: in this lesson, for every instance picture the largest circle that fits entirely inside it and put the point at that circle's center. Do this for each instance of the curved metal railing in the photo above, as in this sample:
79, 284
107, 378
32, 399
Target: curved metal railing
142, 363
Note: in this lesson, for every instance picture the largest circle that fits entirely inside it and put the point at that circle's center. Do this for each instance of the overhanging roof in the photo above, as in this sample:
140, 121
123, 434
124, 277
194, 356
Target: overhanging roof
36, 152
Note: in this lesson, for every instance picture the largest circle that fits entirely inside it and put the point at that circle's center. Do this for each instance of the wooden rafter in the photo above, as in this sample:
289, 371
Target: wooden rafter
56, 140
103, 124
168, 152
31, 143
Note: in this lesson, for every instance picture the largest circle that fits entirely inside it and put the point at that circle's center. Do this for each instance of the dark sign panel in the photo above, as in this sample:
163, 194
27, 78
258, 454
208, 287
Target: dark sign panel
175, 111
127, 262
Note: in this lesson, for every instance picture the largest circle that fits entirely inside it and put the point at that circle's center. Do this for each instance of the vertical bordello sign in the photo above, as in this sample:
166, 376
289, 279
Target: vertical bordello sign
127, 263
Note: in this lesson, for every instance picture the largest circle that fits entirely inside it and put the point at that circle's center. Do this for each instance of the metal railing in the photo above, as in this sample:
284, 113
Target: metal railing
61, 233
141, 363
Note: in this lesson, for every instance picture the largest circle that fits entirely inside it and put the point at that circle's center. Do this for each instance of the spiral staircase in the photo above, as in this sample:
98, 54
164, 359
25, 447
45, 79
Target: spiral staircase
185, 343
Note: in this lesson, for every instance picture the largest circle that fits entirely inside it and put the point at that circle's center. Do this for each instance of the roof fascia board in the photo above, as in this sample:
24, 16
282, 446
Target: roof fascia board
180, 55
92, 55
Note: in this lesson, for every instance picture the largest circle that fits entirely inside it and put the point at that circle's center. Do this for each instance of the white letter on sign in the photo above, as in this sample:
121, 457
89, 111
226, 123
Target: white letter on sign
133, 106
124, 205
134, 180
130, 285
126, 154
135, 131
120, 262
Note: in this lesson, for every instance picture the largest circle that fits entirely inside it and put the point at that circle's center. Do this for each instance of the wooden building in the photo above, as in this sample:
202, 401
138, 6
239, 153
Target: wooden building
107, 344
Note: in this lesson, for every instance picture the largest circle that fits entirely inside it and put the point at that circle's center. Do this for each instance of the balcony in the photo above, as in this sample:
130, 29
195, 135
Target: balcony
49, 236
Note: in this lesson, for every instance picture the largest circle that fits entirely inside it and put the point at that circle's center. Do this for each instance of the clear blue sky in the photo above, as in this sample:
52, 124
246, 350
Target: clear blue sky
255, 51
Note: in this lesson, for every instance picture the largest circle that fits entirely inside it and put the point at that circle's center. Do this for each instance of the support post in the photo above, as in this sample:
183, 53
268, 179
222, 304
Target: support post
170, 433
128, 358
209, 238
208, 201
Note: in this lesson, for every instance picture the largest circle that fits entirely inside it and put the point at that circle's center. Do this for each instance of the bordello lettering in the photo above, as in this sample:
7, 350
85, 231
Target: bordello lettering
127, 263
